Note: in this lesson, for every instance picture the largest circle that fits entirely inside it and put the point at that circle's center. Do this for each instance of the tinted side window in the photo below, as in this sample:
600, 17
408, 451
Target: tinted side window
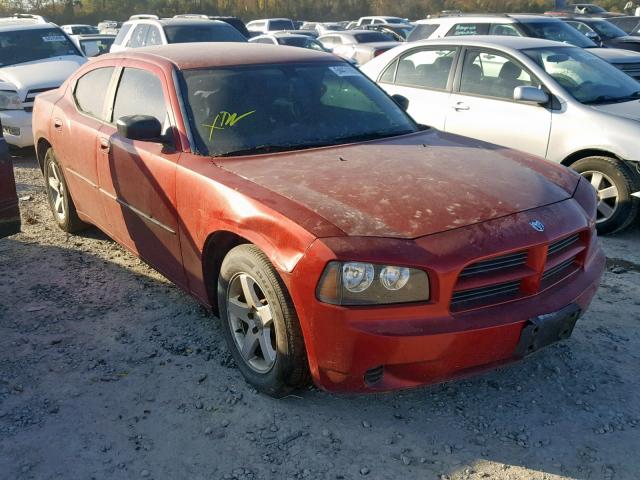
505, 29
153, 36
91, 90
469, 29
139, 93
389, 74
626, 24
138, 36
122, 34
427, 68
422, 32
491, 75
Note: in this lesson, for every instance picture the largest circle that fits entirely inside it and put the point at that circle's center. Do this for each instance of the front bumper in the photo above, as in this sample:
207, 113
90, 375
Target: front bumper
16, 126
359, 349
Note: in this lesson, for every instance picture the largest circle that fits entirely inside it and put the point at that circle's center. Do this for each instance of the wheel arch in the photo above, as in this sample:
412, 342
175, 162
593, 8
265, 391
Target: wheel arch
589, 152
42, 145
216, 247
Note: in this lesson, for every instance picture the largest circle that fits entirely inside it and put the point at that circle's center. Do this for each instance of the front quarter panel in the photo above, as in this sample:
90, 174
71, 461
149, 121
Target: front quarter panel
212, 200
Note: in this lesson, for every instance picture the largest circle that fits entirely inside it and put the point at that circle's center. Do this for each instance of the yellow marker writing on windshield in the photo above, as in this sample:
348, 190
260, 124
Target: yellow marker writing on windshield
224, 120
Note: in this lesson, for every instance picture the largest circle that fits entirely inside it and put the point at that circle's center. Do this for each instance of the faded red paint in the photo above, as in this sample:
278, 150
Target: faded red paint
426, 200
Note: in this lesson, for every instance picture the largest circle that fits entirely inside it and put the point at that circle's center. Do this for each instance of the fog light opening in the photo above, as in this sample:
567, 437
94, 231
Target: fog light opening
374, 375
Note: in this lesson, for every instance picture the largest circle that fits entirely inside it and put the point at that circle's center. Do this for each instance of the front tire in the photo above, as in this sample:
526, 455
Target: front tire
60, 201
614, 183
260, 324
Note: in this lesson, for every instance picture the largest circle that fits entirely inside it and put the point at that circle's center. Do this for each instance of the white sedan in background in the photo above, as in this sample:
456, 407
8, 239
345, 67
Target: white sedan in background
546, 98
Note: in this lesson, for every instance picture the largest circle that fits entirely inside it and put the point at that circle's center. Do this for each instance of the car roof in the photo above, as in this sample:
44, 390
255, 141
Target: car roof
223, 54
492, 41
505, 18
94, 36
178, 21
12, 27
270, 20
287, 35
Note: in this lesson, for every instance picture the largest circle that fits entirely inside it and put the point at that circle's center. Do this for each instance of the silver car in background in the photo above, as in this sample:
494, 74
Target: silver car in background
546, 98
357, 46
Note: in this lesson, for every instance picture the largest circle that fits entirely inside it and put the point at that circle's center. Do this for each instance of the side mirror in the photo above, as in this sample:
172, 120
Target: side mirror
140, 127
530, 95
403, 102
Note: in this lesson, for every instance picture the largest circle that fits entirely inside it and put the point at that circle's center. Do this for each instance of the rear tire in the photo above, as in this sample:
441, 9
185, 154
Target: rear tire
615, 182
260, 324
60, 201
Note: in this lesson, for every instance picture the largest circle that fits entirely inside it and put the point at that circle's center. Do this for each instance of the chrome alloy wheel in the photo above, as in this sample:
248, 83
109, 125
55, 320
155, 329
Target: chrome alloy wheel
251, 323
608, 195
55, 189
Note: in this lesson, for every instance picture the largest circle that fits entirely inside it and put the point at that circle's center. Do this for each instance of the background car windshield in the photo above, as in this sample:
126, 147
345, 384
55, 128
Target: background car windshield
304, 42
607, 30
557, 31
96, 46
29, 45
372, 37
281, 25
83, 30
287, 107
586, 77
202, 33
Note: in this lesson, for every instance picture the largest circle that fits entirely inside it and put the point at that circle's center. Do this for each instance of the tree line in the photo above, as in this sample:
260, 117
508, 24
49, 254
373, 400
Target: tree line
93, 11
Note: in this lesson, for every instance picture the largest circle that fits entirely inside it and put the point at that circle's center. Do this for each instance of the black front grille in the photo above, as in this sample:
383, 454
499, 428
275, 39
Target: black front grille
499, 263
31, 96
562, 245
501, 291
374, 375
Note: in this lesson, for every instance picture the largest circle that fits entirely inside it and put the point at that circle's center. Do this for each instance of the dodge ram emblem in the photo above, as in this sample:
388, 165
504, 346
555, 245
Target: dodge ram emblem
537, 225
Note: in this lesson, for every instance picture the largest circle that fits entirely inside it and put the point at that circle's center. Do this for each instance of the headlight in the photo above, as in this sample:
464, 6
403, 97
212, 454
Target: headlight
9, 100
358, 283
586, 197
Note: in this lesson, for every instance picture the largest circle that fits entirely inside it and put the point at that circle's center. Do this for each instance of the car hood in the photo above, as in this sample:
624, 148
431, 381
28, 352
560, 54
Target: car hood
616, 55
49, 73
408, 186
629, 110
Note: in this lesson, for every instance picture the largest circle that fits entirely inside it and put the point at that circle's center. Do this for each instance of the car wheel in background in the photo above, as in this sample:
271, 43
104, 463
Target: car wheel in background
62, 207
260, 324
614, 183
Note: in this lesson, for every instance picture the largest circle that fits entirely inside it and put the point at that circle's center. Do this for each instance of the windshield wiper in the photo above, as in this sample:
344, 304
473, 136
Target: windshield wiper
304, 146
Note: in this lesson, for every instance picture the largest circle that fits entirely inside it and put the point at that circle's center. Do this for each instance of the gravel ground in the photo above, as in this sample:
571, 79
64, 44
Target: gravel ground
108, 371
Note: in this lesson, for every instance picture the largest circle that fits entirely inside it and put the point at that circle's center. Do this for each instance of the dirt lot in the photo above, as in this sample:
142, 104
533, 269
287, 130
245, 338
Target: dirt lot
108, 371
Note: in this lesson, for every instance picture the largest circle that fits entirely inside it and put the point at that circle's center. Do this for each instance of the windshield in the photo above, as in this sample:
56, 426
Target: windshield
96, 46
372, 37
607, 30
304, 42
281, 25
258, 109
22, 46
588, 79
557, 31
83, 30
202, 33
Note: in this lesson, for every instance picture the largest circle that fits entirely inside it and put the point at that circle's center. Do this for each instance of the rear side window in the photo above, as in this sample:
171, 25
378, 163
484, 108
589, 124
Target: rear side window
626, 24
138, 36
422, 32
428, 68
91, 90
139, 93
468, 29
390, 73
504, 29
153, 36
122, 34
281, 25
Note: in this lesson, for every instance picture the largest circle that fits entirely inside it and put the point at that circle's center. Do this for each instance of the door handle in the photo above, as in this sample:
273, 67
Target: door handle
460, 106
105, 144
57, 123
